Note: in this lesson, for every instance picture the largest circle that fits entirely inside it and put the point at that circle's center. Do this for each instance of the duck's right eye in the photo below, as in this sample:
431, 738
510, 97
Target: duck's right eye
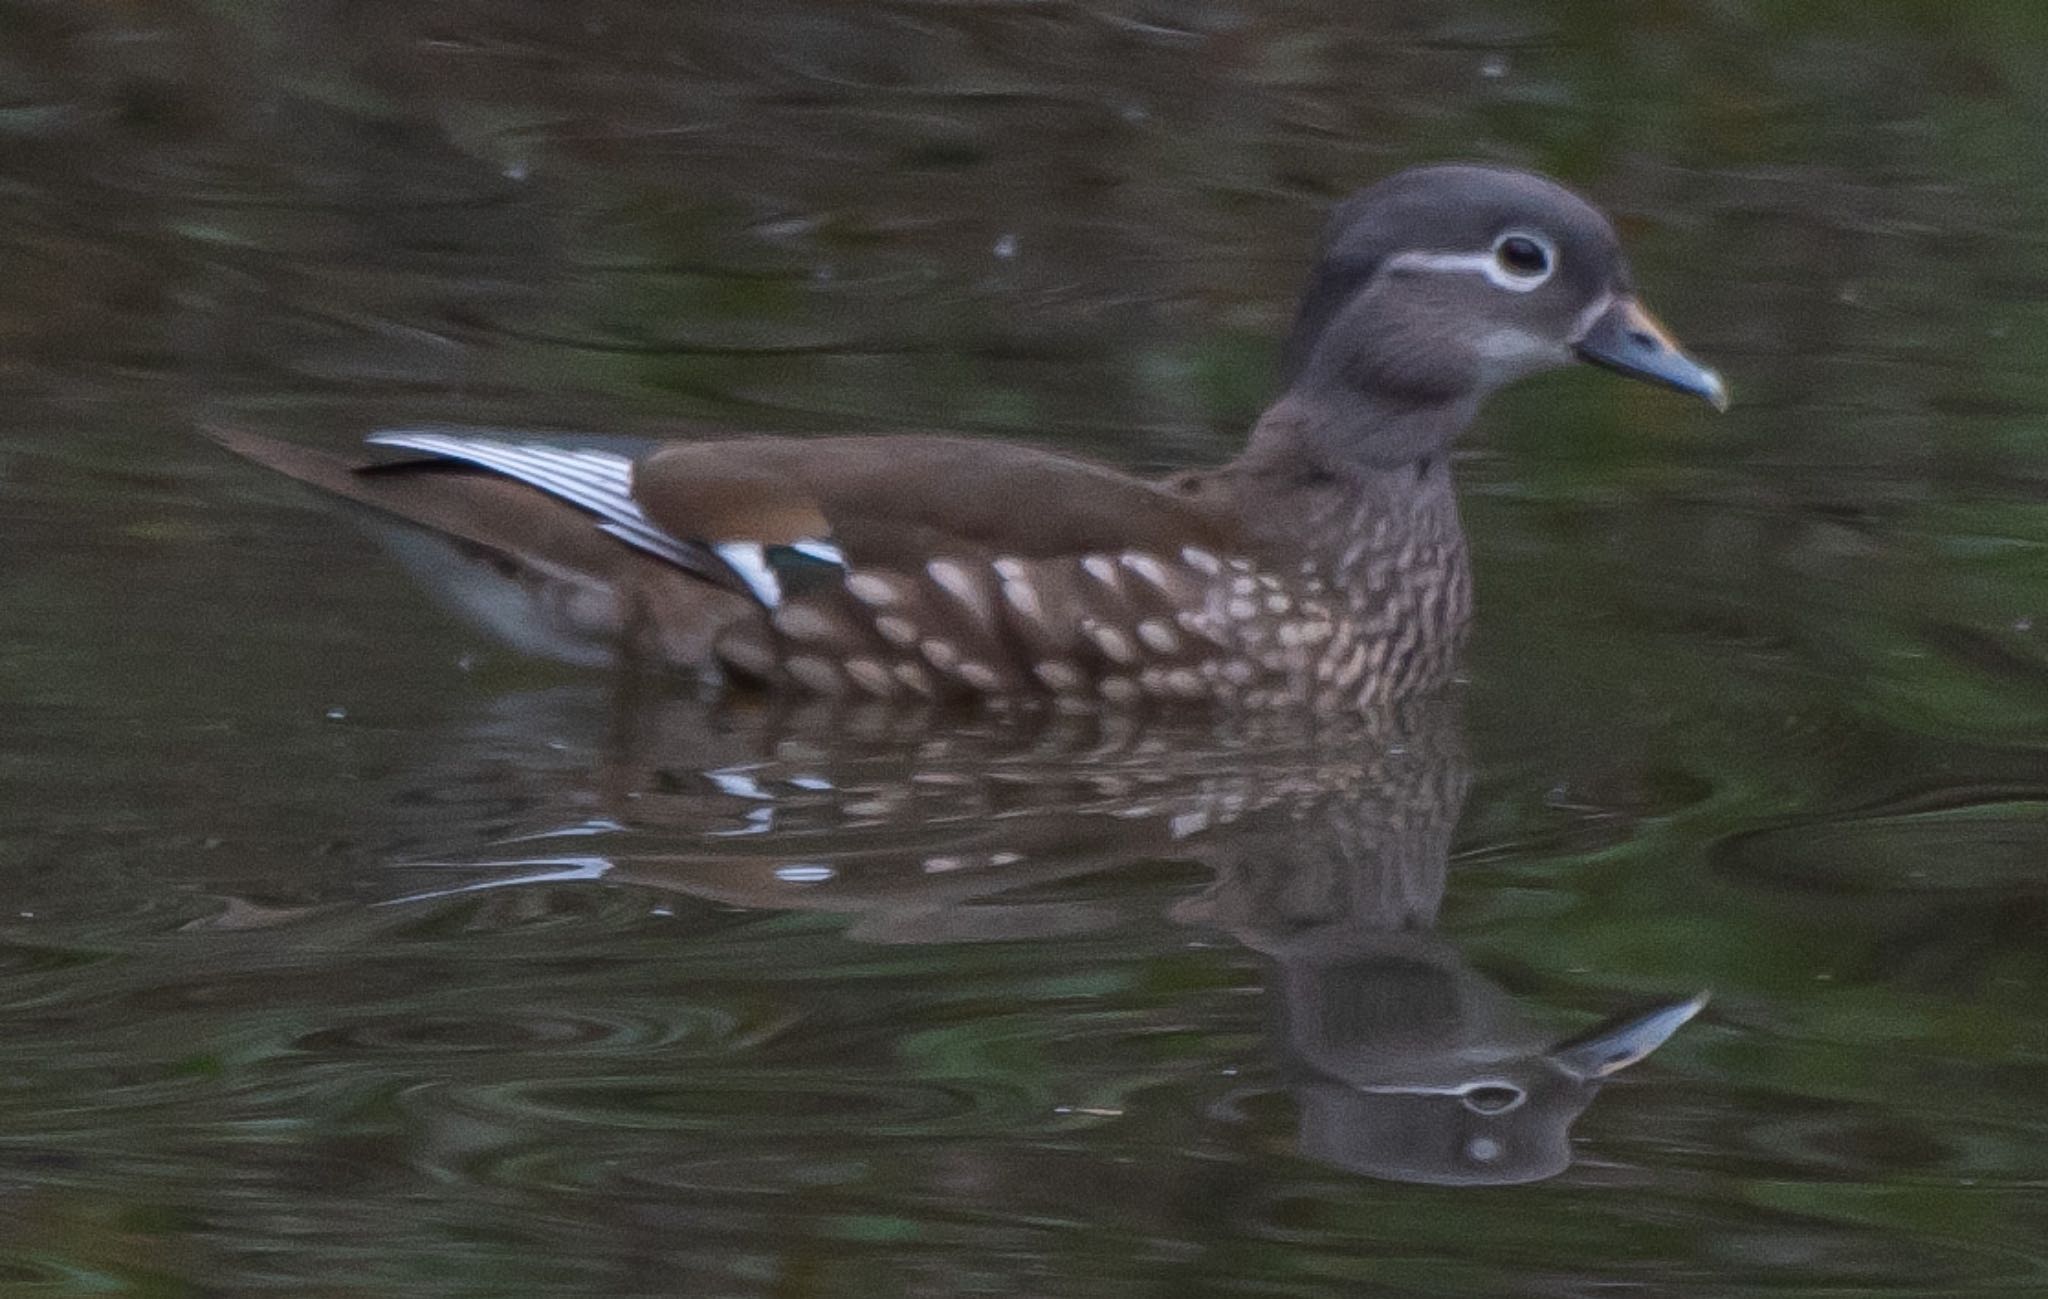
1522, 256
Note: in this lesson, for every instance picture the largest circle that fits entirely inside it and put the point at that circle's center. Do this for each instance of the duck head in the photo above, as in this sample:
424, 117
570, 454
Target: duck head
1439, 285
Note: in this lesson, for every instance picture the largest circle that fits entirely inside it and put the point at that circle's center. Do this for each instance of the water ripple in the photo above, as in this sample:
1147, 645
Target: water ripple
557, 1031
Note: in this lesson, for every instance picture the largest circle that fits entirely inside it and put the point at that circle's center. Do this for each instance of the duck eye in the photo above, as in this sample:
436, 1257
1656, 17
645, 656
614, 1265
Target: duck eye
1522, 256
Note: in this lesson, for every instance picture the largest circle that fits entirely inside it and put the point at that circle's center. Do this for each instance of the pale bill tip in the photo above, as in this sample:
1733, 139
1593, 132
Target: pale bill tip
1716, 390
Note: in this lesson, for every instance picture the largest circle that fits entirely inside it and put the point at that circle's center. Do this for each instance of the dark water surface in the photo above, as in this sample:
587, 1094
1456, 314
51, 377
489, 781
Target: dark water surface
341, 953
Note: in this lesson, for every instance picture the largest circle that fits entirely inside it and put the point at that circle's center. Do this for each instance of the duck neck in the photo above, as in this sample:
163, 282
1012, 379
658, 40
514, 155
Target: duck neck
1304, 479
1380, 531
1301, 436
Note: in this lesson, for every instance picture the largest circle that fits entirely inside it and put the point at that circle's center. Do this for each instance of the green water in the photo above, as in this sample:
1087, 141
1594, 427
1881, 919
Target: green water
342, 953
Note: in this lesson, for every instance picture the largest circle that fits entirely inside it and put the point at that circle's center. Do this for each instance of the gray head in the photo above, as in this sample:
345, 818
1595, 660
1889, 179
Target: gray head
1441, 284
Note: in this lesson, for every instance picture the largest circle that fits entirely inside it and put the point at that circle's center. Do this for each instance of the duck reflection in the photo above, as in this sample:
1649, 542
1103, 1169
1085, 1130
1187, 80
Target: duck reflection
1405, 1062
1326, 852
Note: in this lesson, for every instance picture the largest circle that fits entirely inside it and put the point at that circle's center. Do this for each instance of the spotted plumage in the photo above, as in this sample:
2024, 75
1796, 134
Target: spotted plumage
1323, 568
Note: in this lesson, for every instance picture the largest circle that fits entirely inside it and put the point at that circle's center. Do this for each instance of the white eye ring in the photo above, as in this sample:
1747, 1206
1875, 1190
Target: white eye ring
1493, 263
1514, 268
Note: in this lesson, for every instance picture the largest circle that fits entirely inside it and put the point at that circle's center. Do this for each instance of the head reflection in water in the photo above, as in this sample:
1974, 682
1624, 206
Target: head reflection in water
1328, 857
1409, 1066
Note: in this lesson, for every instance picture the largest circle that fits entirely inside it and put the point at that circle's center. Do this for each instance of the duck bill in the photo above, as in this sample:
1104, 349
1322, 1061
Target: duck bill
1624, 1040
1627, 339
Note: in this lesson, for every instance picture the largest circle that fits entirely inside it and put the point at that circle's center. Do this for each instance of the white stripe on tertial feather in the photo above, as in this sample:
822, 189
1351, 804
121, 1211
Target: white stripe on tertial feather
547, 467
749, 559
598, 481
602, 483
825, 552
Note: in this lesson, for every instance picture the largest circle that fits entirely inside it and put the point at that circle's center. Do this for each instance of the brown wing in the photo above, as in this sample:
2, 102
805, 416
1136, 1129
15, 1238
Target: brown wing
971, 567
901, 501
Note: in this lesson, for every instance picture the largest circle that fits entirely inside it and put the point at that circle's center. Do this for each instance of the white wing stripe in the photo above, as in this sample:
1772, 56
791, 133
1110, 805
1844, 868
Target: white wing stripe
823, 551
560, 472
597, 481
605, 478
602, 483
749, 559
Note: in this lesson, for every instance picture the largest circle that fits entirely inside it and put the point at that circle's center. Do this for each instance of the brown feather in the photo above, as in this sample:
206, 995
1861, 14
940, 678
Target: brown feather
899, 501
522, 532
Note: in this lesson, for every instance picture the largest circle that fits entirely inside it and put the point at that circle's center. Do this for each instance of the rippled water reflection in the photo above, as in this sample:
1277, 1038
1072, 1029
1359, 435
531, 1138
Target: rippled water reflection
339, 952
1326, 856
